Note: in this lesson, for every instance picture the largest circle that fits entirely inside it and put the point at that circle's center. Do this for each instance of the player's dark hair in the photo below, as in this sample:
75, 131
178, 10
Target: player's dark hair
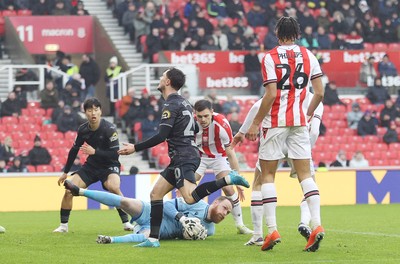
177, 78
287, 29
223, 198
202, 105
90, 103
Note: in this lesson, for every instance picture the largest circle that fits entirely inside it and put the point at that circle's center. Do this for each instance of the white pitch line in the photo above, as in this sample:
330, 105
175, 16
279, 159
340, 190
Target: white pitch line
364, 233
356, 233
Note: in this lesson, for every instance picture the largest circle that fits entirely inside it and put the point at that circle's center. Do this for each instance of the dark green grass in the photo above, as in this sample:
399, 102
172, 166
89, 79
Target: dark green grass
354, 234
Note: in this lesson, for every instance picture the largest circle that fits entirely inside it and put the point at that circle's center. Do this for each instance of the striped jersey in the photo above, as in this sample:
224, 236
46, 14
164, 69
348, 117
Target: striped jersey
213, 139
292, 68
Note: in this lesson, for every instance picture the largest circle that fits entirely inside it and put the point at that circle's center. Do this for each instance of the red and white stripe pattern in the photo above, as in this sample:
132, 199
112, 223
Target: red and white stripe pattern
213, 140
290, 105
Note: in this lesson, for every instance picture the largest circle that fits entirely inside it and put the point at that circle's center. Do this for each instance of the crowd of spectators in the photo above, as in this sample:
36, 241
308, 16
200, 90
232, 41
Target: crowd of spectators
234, 24
45, 7
11, 162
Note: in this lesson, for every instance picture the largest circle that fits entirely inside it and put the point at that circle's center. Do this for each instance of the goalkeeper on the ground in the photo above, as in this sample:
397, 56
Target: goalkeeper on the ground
180, 220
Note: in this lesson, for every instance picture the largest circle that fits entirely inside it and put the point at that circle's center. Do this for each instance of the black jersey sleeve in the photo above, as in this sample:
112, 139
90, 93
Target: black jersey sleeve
161, 136
73, 152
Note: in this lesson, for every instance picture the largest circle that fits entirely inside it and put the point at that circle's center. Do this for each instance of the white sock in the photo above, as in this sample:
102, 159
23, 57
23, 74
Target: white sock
269, 205
64, 225
256, 210
311, 194
237, 209
305, 215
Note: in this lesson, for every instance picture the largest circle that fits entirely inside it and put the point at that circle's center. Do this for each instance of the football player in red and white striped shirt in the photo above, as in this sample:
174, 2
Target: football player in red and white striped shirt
256, 208
284, 112
214, 140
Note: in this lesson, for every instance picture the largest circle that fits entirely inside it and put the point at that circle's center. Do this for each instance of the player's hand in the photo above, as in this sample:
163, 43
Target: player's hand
87, 149
252, 133
240, 191
237, 139
62, 178
127, 149
191, 224
202, 235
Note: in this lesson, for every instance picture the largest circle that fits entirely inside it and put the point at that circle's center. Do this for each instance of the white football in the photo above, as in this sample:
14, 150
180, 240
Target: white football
2, 229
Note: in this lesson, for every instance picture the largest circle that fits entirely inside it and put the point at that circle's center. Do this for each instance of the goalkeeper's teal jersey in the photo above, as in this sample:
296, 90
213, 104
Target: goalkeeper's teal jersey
171, 228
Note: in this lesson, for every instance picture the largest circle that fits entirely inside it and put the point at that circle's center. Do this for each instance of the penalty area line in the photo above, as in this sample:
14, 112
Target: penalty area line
363, 233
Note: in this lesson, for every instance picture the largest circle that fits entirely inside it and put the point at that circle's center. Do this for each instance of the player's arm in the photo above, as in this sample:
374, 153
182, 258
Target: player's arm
318, 96
168, 117
170, 208
192, 225
113, 146
316, 82
314, 129
161, 136
265, 107
239, 137
230, 152
73, 152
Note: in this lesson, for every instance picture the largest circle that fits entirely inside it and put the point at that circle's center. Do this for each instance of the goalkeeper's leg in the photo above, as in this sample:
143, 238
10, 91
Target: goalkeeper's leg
131, 206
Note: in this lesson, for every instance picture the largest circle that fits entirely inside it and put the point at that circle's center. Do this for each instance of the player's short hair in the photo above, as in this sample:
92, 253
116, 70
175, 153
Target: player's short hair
90, 103
287, 29
177, 78
202, 105
223, 198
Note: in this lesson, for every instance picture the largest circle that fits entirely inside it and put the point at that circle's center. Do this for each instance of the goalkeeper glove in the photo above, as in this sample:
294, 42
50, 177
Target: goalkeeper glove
191, 224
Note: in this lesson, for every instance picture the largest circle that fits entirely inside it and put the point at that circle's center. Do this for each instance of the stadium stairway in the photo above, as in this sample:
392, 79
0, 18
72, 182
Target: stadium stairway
4, 77
121, 42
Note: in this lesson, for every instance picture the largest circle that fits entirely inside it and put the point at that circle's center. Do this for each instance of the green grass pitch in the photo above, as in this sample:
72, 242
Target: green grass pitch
354, 234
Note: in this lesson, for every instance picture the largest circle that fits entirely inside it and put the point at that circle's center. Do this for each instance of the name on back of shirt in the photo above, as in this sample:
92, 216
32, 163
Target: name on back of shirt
291, 55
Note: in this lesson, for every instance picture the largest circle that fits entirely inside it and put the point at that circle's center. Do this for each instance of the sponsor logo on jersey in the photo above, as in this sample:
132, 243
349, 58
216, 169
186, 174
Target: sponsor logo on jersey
166, 114
114, 137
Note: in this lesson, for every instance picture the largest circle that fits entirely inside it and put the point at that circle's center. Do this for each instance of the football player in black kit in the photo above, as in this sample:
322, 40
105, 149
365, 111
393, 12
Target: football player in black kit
97, 138
177, 126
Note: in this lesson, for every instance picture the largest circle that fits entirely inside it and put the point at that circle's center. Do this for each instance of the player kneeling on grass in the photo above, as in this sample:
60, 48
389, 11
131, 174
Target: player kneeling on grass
180, 220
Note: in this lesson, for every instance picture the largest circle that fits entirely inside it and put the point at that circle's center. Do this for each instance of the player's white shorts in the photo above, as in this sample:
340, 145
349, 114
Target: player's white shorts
218, 164
273, 141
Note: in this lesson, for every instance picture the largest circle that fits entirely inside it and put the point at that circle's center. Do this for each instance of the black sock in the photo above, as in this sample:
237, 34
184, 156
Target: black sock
124, 217
156, 214
64, 215
208, 188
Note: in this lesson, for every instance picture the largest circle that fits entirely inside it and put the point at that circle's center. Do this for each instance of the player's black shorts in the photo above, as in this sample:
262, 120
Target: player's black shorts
180, 169
90, 174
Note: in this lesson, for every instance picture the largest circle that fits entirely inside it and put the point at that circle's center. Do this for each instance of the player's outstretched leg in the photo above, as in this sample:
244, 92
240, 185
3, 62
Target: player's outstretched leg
103, 239
237, 179
149, 243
